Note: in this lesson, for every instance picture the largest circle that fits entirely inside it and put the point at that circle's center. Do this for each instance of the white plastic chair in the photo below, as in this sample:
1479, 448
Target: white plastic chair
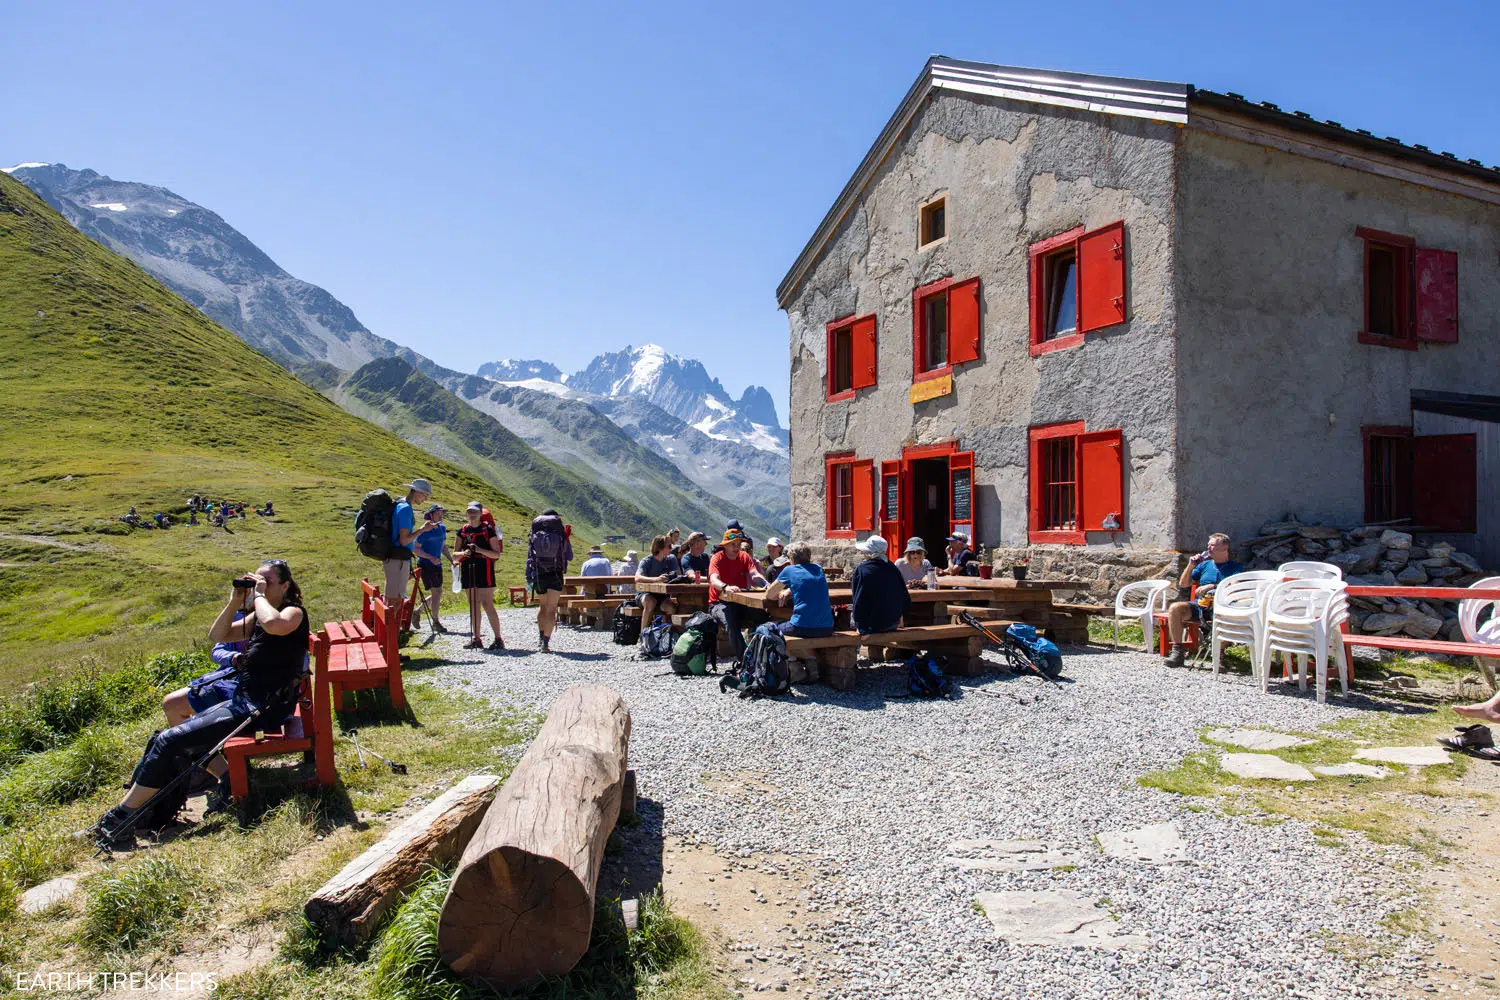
1488, 633
1239, 604
1302, 618
1310, 571
1139, 602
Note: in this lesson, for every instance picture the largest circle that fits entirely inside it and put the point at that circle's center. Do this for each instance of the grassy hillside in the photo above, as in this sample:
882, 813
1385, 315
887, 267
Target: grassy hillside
393, 394
120, 393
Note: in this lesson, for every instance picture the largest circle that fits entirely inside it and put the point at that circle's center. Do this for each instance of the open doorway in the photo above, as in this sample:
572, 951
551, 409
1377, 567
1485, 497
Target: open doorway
929, 506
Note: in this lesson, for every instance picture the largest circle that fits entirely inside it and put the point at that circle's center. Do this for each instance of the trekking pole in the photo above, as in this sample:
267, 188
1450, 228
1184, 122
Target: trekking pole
352, 736
967, 617
104, 849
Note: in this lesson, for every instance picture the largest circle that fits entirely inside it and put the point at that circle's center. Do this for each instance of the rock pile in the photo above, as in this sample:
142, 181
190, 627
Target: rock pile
1377, 556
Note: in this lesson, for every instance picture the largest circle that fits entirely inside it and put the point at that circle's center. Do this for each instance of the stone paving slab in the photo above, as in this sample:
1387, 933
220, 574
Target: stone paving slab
1410, 756
1255, 739
1265, 766
1009, 856
48, 894
1057, 917
1352, 770
1158, 844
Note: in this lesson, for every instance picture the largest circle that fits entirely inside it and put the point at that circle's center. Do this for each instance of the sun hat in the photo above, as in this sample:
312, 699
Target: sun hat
774, 541
915, 544
631, 554
474, 505
595, 550
734, 535
873, 546
420, 485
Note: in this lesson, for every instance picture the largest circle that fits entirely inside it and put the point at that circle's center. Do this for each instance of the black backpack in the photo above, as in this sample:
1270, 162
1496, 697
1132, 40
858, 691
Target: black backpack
763, 670
924, 677
627, 629
372, 525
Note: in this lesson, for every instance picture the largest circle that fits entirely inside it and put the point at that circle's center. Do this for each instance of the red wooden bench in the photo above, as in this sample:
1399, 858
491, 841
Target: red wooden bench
310, 730
366, 654
1477, 649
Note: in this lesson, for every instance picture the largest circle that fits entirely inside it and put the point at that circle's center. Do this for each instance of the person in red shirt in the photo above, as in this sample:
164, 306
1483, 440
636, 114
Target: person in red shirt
731, 570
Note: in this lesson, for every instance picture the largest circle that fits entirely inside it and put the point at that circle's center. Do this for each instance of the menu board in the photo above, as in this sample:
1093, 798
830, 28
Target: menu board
892, 498
963, 499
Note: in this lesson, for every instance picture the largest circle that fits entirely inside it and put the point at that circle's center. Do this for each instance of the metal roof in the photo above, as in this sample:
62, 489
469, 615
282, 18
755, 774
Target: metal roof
1152, 99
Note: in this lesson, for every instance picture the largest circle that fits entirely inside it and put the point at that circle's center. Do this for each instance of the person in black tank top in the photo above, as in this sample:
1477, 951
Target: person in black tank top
270, 669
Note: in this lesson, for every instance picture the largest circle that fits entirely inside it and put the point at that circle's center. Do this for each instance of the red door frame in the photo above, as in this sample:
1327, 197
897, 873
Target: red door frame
912, 453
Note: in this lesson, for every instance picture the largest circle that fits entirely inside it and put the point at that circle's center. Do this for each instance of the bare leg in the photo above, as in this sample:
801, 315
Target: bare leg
546, 615
1485, 711
487, 601
176, 708
434, 601
1178, 616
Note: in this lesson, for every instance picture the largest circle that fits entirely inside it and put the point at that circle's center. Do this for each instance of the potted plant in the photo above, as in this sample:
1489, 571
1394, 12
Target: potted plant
1019, 569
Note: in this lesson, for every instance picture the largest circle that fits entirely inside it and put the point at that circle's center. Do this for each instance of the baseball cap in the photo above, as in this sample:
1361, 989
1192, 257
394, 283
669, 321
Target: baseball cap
873, 546
959, 536
474, 505
773, 541
420, 485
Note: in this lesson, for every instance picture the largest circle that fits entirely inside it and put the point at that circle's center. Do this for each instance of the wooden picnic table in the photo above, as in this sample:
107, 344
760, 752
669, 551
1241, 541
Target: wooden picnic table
594, 586
1006, 583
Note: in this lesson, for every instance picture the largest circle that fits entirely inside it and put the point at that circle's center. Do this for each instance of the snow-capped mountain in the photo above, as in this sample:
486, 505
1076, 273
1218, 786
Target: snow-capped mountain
680, 387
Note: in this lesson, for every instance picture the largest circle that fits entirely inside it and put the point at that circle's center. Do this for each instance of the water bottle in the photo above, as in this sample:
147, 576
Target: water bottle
931, 577
457, 588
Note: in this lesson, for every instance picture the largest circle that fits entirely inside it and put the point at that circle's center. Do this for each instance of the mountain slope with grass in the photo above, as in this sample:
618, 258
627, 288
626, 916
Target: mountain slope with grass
119, 394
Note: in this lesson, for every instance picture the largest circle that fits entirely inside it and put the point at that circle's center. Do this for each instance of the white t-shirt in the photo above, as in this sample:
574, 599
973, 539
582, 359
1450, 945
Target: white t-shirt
913, 574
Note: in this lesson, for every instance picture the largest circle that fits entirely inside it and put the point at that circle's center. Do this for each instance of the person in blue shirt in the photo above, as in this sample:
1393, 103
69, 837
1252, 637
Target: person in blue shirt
595, 564
803, 585
431, 550
1204, 572
404, 532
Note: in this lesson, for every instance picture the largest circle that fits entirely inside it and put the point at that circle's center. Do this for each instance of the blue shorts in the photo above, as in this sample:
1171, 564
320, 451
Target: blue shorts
212, 693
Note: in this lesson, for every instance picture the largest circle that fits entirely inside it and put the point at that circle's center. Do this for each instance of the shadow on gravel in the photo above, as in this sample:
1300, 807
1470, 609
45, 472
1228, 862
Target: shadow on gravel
633, 855
582, 656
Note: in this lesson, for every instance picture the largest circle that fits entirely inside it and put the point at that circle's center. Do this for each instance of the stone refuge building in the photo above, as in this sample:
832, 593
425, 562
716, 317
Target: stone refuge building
1094, 319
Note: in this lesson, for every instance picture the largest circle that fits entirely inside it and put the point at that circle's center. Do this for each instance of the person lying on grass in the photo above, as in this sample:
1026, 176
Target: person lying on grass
275, 635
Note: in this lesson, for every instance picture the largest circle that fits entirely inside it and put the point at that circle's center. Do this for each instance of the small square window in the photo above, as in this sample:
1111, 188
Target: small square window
843, 360
934, 221
1060, 293
935, 332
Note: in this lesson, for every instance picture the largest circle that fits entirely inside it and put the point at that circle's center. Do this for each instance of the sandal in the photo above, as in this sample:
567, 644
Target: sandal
1470, 739
1487, 753
474, 644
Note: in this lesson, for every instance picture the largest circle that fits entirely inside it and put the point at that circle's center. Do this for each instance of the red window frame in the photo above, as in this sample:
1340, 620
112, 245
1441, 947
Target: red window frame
965, 325
1094, 482
1100, 288
863, 356
1404, 248
919, 297
836, 466
1388, 472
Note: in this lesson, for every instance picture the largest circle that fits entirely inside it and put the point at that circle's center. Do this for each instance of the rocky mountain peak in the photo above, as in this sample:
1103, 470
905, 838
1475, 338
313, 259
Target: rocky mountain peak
519, 370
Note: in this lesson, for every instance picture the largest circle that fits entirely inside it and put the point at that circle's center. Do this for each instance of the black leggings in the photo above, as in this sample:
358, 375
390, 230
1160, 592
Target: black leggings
734, 619
170, 751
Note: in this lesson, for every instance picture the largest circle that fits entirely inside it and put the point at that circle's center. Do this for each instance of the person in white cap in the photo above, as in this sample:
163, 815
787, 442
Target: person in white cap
880, 597
773, 562
404, 532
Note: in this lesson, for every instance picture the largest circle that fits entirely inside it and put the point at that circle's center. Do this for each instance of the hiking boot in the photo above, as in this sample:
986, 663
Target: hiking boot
474, 644
200, 782
546, 643
499, 643
220, 800
108, 833
1176, 656
438, 628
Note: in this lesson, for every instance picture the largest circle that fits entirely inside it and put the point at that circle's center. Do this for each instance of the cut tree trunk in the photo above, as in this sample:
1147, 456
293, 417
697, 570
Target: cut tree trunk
349, 906
521, 905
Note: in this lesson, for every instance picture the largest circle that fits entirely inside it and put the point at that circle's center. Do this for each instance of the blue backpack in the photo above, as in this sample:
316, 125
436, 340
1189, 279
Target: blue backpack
924, 677
1043, 653
656, 639
763, 670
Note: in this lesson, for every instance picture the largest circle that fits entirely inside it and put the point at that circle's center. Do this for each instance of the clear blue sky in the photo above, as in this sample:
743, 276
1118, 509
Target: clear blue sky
555, 180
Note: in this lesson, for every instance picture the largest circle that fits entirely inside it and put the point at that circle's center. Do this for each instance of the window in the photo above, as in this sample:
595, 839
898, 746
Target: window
1410, 292
1077, 482
1387, 473
850, 494
1431, 478
945, 327
851, 356
1077, 286
933, 222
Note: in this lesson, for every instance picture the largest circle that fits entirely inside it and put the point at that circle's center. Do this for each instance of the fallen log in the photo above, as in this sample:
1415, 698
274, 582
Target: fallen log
521, 905
351, 903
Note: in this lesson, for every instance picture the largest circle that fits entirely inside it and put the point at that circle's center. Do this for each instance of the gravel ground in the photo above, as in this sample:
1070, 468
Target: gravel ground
871, 791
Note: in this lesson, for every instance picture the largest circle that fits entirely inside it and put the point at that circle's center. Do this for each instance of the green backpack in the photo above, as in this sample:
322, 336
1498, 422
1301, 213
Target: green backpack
697, 647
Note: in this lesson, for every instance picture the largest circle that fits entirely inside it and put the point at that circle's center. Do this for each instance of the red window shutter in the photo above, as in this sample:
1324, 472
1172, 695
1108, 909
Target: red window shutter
1445, 482
888, 499
1101, 278
1034, 481
963, 322
862, 349
1437, 296
864, 496
1101, 475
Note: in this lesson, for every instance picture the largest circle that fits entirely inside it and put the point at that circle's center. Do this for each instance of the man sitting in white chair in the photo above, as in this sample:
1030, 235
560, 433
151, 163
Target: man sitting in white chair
1204, 572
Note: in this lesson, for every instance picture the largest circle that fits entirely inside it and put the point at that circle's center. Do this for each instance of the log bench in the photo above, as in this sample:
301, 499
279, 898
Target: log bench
838, 654
308, 732
595, 611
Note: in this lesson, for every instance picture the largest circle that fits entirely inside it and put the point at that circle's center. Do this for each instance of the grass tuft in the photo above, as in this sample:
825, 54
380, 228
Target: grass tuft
143, 903
31, 857
96, 758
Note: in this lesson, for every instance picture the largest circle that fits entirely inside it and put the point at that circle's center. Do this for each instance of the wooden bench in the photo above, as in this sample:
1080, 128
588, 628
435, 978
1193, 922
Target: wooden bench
309, 731
366, 654
580, 609
1478, 650
838, 654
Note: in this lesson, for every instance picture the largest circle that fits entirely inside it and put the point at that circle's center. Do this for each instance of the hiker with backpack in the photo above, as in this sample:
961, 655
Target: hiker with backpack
432, 548
802, 585
404, 532
548, 552
731, 570
479, 545
880, 596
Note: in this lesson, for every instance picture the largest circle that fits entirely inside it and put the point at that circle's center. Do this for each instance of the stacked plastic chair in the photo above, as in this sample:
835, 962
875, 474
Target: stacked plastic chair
1302, 619
1239, 612
1488, 632
1139, 602
1310, 571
